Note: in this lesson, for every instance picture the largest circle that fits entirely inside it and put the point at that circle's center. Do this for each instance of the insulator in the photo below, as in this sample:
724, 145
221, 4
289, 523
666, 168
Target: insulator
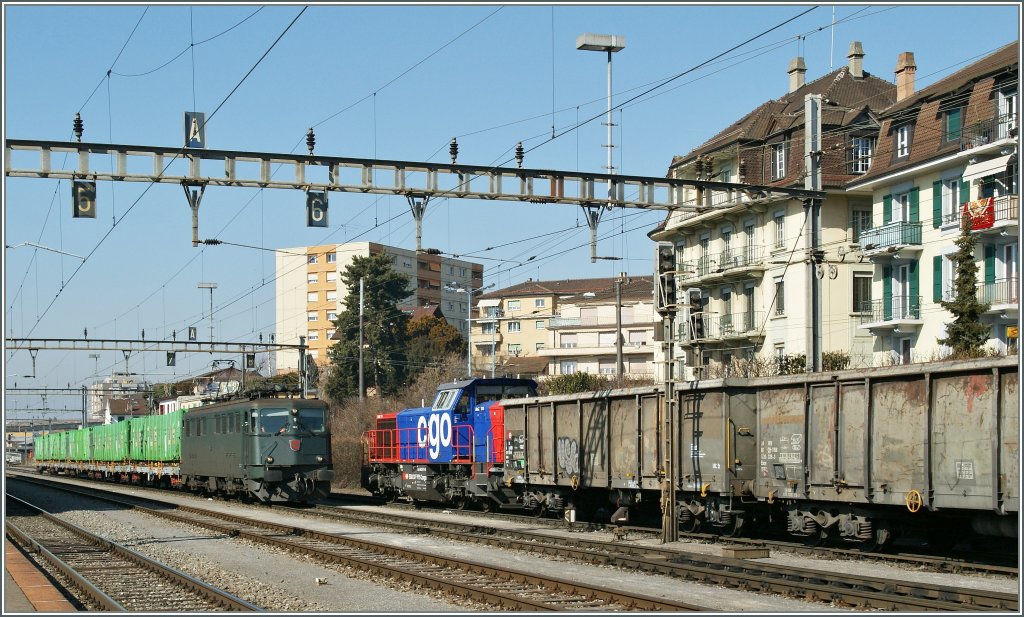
310, 140
79, 126
453, 150
700, 167
519, 154
743, 170
708, 164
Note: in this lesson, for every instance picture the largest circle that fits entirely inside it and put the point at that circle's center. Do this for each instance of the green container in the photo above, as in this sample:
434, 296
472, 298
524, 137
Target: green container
110, 442
79, 445
157, 438
42, 446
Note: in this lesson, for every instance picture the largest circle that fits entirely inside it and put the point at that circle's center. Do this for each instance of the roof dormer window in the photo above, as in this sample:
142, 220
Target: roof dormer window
903, 135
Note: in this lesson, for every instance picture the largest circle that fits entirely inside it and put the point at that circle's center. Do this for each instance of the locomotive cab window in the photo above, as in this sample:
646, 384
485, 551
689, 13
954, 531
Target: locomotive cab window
254, 421
486, 393
273, 421
311, 419
444, 399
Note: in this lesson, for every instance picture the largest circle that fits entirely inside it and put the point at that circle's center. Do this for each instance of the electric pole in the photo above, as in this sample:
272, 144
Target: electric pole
812, 181
362, 389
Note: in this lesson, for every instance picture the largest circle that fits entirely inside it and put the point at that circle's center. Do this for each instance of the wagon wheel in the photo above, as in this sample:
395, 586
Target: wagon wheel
880, 538
815, 538
540, 511
734, 528
487, 505
690, 525
461, 503
390, 496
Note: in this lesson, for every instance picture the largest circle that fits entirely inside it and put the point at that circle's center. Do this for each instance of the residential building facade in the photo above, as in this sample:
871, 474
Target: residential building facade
945, 154
748, 256
569, 325
309, 293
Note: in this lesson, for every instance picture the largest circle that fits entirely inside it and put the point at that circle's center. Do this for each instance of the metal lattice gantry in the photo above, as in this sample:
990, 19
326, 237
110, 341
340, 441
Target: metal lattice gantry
204, 167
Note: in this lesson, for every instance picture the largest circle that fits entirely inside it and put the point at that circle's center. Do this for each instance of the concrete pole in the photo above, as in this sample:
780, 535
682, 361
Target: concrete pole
812, 181
362, 388
618, 329
469, 332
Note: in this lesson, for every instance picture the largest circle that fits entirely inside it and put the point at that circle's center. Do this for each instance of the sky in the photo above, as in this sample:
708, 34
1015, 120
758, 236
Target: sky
388, 82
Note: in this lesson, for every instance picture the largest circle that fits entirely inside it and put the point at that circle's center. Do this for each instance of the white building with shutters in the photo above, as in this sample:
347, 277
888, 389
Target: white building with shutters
945, 156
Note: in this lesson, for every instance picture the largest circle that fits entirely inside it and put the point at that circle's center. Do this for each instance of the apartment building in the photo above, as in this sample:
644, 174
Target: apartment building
945, 153
309, 293
749, 257
569, 323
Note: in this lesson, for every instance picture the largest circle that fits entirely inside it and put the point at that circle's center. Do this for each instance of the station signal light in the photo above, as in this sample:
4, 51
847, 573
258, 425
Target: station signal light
693, 300
666, 265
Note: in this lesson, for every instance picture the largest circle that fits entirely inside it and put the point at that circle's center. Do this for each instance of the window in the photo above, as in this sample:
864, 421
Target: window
606, 367
951, 124
311, 420
778, 161
861, 292
567, 340
567, 367
313, 277
330, 335
451, 269
514, 349
332, 296
514, 326
780, 352
951, 201
860, 157
539, 324
860, 221
780, 230
948, 270
512, 305
637, 337
1007, 111
311, 259
539, 303
488, 328
901, 207
780, 296
311, 316
332, 258
463, 273
331, 315
538, 346
332, 277
313, 296
902, 141
606, 339
422, 265
313, 335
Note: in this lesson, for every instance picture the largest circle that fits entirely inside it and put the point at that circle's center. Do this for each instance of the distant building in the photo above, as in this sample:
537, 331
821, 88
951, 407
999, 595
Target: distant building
118, 385
570, 324
309, 293
121, 409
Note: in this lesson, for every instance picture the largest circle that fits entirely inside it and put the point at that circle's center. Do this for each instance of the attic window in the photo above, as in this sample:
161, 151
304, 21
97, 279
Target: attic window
778, 161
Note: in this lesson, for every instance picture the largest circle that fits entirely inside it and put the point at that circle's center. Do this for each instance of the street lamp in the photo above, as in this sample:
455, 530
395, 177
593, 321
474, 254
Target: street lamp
211, 287
609, 43
456, 287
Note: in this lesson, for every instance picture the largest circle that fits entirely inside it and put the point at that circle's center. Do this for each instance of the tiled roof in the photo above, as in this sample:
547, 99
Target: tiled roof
429, 310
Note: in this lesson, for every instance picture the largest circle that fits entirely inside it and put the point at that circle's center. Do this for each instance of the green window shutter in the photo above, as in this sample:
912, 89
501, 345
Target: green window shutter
937, 278
965, 192
936, 204
887, 293
887, 209
915, 205
990, 263
914, 301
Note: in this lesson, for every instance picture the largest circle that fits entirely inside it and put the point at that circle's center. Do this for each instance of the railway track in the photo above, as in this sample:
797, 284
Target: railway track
857, 591
503, 587
110, 576
996, 566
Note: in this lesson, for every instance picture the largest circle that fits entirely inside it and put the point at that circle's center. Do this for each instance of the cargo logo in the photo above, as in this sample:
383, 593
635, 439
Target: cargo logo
435, 432
568, 455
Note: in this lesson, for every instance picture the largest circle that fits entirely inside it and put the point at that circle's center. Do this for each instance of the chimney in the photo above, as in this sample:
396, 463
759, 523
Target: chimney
905, 69
796, 71
856, 56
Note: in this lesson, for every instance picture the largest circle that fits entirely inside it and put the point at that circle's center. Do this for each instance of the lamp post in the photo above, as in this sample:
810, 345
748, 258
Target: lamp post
211, 287
456, 287
609, 43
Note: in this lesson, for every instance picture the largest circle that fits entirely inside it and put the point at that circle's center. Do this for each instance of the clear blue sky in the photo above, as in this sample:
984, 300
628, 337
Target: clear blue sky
395, 82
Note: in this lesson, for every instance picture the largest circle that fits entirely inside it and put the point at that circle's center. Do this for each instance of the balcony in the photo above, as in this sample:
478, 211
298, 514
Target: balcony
1001, 295
732, 264
992, 215
885, 241
988, 131
563, 323
714, 328
898, 313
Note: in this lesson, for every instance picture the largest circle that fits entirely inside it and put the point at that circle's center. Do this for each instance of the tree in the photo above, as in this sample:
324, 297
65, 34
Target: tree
431, 338
965, 334
384, 329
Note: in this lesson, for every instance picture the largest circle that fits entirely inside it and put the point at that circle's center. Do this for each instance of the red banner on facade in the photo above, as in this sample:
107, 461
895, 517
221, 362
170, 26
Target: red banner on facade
981, 212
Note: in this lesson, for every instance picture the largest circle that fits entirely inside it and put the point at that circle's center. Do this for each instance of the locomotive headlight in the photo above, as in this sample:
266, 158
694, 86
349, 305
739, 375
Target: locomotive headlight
319, 459
270, 459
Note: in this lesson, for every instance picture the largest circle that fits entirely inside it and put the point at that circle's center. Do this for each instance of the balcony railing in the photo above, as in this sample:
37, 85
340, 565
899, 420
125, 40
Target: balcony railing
715, 327
896, 308
558, 323
999, 292
741, 257
988, 131
898, 233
